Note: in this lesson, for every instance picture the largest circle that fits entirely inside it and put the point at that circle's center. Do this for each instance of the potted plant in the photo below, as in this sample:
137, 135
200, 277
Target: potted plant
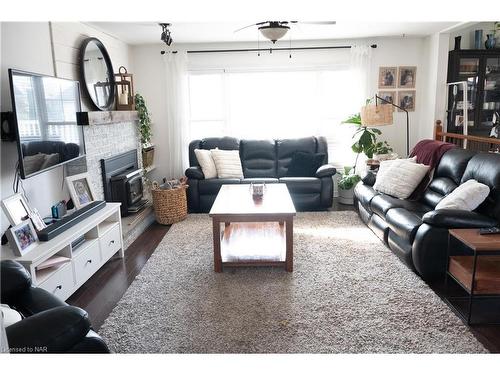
365, 138
148, 149
346, 184
383, 151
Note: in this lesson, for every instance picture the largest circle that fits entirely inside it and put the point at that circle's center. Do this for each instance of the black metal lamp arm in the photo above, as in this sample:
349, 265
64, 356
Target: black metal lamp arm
407, 121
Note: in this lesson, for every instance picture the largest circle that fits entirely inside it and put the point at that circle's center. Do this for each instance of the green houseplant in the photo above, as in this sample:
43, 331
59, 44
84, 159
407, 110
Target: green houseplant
346, 184
144, 127
365, 137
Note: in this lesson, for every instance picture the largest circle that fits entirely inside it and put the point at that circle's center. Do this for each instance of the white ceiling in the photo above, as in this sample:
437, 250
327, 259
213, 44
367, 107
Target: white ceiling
149, 32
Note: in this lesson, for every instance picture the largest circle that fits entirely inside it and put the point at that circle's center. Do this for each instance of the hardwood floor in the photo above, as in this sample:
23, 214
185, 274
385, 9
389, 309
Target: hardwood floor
100, 294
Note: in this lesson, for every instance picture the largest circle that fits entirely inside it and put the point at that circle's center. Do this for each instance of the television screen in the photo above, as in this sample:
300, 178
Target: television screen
45, 113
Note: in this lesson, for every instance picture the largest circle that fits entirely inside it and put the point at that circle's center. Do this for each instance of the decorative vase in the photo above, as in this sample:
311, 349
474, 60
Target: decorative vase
478, 39
458, 39
490, 41
346, 196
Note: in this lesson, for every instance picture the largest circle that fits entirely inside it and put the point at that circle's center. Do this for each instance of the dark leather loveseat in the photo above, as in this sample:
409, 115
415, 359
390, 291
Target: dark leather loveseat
416, 232
49, 325
263, 161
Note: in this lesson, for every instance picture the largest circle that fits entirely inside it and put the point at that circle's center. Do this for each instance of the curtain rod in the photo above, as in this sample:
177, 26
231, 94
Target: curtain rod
266, 49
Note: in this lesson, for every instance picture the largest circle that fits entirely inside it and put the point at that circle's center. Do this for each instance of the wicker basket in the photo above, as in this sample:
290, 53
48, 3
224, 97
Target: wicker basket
170, 205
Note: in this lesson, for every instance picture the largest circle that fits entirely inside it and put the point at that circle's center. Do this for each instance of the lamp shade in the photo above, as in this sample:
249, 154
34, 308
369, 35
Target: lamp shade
274, 32
376, 115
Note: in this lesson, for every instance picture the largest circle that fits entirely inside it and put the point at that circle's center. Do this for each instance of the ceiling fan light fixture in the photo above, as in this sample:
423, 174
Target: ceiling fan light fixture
274, 32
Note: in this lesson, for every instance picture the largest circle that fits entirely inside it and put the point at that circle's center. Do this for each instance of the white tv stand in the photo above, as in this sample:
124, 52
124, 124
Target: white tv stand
103, 239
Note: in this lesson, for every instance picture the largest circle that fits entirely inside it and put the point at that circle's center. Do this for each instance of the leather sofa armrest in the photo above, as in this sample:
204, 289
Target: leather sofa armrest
36, 300
195, 173
369, 178
52, 331
447, 218
326, 170
14, 280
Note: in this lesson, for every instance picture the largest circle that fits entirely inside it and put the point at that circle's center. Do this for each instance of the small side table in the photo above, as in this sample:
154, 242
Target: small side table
475, 267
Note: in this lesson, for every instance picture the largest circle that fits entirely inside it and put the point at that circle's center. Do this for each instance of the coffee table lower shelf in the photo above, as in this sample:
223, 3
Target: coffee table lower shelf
253, 244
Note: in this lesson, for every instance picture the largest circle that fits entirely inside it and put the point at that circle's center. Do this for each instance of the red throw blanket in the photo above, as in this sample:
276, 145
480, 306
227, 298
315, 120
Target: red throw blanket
428, 152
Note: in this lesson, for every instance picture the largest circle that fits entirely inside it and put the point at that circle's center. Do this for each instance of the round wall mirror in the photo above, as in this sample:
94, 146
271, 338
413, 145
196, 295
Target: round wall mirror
97, 74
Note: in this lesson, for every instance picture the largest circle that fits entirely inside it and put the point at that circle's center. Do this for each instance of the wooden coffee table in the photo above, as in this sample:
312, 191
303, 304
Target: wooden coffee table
255, 232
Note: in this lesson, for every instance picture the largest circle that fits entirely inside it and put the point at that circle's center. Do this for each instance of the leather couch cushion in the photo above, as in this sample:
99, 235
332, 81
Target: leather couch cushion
260, 180
302, 185
403, 222
212, 186
453, 164
304, 164
285, 148
365, 194
437, 189
258, 158
382, 203
224, 143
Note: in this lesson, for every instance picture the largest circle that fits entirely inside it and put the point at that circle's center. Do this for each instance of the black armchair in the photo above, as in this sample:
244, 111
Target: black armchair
50, 325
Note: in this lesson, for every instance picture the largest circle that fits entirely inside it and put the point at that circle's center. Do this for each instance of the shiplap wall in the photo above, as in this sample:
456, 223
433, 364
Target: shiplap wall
67, 37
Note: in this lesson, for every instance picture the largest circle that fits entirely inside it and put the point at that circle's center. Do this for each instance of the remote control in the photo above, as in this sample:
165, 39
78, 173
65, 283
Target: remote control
493, 230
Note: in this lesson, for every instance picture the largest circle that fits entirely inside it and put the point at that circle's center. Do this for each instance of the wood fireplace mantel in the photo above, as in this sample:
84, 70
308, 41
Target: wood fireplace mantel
105, 117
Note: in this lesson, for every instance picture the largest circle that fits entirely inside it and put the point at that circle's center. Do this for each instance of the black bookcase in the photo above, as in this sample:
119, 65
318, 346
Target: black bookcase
481, 70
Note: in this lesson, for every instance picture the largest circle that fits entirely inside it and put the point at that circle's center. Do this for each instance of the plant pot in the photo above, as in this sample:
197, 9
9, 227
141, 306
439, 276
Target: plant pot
346, 196
148, 154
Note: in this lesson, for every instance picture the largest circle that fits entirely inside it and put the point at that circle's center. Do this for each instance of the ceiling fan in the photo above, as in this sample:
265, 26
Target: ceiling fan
275, 30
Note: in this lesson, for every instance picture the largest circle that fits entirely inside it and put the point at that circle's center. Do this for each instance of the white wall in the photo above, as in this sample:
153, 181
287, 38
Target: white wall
27, 46
433, 92
149, 81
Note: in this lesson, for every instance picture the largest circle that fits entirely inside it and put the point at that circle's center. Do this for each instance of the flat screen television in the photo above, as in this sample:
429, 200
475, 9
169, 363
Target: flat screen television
45, 121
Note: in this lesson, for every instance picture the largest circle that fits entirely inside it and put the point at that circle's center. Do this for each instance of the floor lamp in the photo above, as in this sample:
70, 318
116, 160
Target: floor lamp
407, 120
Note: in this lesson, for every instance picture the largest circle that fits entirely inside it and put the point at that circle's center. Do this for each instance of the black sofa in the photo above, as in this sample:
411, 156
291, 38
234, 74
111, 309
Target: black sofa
50, 325
416, 232
263, 161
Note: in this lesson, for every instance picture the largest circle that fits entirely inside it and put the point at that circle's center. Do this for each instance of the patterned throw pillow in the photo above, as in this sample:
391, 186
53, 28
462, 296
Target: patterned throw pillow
227, 163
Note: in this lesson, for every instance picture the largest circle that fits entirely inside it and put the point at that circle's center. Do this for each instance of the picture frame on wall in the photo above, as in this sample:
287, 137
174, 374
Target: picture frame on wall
390, 96
387, 77
407, 77
22, 238
80, 189
407, 100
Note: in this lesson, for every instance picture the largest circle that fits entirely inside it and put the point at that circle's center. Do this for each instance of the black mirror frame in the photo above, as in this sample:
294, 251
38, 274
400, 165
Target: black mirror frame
112, 93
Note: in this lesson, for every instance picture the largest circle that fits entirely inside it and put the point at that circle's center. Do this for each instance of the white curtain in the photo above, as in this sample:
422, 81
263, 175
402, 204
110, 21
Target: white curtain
176, 74
360, 64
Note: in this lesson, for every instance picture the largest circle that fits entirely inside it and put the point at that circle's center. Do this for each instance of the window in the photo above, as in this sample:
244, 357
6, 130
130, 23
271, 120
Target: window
275, 104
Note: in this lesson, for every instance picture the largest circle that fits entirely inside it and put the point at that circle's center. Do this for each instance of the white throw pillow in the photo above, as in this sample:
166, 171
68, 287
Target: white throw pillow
387, 163
206, 163
228, 163
467, 196
399, 177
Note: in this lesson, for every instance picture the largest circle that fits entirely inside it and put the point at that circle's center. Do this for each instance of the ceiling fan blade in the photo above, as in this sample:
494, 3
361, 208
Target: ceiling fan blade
316, 22
246, 27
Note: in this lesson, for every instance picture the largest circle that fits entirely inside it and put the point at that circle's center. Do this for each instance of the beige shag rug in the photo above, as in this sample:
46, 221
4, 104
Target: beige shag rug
348, 294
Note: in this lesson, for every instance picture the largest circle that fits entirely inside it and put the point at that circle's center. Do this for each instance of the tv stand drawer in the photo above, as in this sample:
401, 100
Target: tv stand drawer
61, 282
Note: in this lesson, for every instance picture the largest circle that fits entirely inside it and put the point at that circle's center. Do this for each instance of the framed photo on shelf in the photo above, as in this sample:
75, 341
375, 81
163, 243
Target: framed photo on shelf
406, 99
390, 96
407, 77
16, 208
80, 189
22, 238
387, 77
